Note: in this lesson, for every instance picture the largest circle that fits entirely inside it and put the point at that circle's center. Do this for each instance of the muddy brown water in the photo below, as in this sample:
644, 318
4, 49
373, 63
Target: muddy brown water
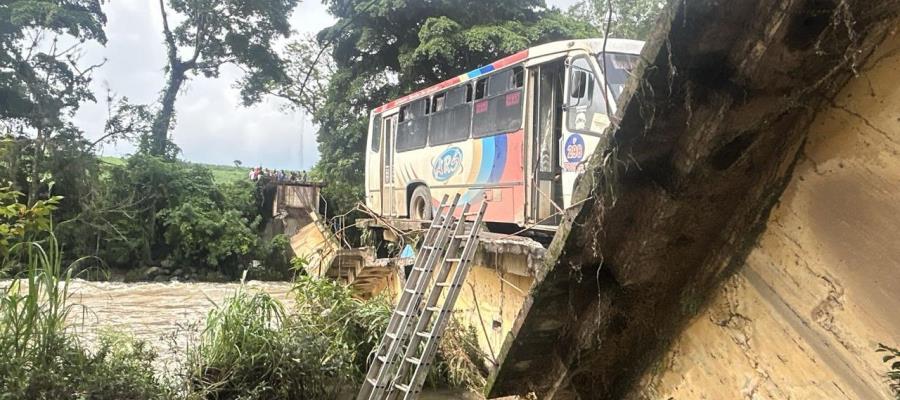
168, 316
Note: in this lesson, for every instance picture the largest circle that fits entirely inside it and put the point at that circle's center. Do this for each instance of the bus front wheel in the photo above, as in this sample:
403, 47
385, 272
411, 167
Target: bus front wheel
420, 204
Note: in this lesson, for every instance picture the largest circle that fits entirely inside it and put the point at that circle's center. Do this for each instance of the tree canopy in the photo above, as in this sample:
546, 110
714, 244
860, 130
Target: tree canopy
215, 33
39, 75
384, 48
628, 19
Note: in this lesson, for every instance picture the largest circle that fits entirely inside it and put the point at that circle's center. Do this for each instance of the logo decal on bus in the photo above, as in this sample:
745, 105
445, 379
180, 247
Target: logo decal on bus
447, 164
574, 148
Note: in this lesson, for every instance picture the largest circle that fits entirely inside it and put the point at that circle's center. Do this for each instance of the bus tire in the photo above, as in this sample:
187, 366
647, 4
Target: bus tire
420, 207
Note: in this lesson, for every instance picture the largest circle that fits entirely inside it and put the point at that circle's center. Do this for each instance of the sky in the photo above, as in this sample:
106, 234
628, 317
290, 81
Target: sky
212, 126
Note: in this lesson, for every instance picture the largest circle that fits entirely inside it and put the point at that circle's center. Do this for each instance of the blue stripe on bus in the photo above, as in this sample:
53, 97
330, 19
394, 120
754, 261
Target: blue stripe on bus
499, 158
480, 71
487, 160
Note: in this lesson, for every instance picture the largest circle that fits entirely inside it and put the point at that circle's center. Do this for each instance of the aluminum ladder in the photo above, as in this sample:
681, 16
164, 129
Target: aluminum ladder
434, 317
385, 363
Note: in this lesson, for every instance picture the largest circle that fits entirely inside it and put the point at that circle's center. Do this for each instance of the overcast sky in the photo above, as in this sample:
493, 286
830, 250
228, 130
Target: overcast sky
212, 125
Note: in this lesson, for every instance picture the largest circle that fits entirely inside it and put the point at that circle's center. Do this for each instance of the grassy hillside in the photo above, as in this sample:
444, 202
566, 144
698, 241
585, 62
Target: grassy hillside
221, 173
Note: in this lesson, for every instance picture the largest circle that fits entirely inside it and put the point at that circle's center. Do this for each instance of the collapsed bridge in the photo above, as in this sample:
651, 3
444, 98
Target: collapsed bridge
713, 132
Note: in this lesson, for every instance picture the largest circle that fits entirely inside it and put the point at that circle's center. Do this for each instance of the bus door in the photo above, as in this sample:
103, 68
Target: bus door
387, 165
584, 121
547, 86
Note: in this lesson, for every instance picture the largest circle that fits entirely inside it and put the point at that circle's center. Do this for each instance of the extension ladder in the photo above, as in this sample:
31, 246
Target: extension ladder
389, 377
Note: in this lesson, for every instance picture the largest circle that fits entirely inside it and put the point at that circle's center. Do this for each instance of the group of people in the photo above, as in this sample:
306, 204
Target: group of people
277, 175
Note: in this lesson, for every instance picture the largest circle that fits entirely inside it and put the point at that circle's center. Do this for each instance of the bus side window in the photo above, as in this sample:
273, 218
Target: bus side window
586, 106
517, 79
437, 102
376, 133
403, 113
450, 123
480, 88
468, 93
412, 133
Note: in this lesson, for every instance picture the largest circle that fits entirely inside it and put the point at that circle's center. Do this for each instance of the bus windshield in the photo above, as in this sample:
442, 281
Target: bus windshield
618, 69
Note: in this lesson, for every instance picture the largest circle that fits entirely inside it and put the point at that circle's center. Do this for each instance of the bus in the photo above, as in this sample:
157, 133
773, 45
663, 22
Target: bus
516, 134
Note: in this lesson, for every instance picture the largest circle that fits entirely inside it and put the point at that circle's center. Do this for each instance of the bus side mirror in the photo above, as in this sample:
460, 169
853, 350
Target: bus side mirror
577, 86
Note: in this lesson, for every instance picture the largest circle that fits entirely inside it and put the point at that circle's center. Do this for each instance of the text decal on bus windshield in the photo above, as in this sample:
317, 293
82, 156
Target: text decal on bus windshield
447, 164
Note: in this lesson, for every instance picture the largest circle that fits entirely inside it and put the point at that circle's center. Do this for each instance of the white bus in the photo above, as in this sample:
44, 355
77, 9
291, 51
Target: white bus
515, 133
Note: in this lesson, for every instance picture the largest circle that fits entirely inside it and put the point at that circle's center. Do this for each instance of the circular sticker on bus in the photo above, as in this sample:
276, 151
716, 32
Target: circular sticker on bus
574, 148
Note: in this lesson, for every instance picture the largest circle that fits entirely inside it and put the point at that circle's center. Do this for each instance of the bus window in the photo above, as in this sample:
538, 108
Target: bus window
618, 69
499, 82
451, 122
480, 88
412, 133
586, 106
437, 102
468, 93
457, 96
518, 77
501, 110
376, 133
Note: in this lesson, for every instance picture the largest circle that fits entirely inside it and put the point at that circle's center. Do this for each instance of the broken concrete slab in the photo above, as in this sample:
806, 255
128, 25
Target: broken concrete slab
704, 147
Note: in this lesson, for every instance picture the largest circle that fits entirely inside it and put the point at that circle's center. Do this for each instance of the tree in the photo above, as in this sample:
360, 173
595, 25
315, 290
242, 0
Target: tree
382, 48
41, 79
215, 33
628, 19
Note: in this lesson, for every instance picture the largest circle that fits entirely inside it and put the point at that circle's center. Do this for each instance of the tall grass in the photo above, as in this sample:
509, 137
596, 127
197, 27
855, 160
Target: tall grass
42, 359
254, 348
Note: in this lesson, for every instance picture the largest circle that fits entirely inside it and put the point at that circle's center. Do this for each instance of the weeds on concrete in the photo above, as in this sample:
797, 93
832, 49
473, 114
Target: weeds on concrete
892, 358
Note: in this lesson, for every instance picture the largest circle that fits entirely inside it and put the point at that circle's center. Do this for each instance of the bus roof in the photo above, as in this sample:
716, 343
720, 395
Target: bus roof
626, 46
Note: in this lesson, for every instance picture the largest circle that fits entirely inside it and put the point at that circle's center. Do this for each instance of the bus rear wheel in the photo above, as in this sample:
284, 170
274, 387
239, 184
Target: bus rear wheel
420, 204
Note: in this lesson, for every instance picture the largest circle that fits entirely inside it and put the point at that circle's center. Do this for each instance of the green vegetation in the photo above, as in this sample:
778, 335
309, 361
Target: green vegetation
43, 359
251, 348
222, 174
892, 358
626, 19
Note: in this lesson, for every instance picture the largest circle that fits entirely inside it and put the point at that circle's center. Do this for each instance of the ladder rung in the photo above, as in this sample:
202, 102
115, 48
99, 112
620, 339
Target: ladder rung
463, 236
403, 388
383, 359
454, 259
372, 381
444, 284
400, 313
433, 309
437, 226
424, 334
413, 360
411, 291
391, 335
469, 214
419, 269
